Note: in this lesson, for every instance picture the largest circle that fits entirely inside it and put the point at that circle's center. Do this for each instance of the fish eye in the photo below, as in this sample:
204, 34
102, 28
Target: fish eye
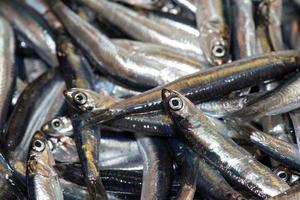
80, 98
283, 175
56, 124
38, 145
219, 51
175, 103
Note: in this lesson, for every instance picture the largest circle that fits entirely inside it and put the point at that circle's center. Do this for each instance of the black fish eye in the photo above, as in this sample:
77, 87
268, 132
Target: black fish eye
175, 103
219, 51
38, 145
80, 98
282, 174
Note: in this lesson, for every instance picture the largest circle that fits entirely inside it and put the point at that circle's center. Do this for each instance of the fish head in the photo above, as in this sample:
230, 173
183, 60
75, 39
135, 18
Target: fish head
58, 127
182, 111
40, 159
84, 100
219, 52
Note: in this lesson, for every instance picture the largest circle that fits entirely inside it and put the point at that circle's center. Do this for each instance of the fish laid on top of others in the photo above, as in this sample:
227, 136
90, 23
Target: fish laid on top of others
149, 99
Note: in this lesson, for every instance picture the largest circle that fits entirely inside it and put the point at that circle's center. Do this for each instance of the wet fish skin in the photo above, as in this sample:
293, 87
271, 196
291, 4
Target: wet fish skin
283, 99
42, 7
42, 179
148, 4
292, 194
280, 150
87, 140
188, 166
157, 162
207, 84
27, 24
41, 101
188, 4
135, 71
8, 70
142, 28
214, 29
243, 29
233, 161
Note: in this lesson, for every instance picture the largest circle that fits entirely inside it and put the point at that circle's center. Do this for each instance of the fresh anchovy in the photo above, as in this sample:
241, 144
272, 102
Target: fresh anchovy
188, 4
8, 184
58, 127
42, 179
213, 25
41, 101
278, 149
135, 71
157, 164
148, 4
188, 166
41, 7
110, 88
84, 100
281, 100
144, 29
243, 29
232, 160
87, 140
163, 54
7, 71
208, 84
31, 29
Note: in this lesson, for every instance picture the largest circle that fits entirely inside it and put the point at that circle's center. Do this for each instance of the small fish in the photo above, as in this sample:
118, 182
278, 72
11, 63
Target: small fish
232, 160
42, 179
207, 84
35, 32
214, 29
58, 127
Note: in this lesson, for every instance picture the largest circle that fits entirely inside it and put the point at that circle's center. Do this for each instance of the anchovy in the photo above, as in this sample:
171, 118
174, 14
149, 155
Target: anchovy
134, 71
42, 179
208, 84
214, 29
8, 71
142, 28
232, 160
58, 127
278, 149
283, 99
31, 29
87, 140
157, 164
41, 101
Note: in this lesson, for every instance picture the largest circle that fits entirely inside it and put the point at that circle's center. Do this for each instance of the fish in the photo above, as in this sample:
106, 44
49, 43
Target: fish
42, 179
58, 127
207, 84
139, 27
137, 72
40, 102
157, 162
87, 140
188, 166
31, 29
294, 116
214, 29
8, 72
233, 161
292, 194
282, 100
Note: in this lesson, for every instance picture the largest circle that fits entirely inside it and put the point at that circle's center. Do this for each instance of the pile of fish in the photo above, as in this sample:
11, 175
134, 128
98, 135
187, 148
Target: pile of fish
149, 99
